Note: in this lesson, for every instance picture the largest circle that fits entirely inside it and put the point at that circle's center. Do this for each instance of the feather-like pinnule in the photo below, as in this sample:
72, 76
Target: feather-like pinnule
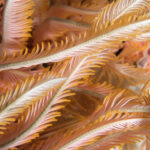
84, 48
79, 103
122, 8
16, 25
120, 72
51, 111
88, 124
109, 41
107, 130
64, 136
82, 99
26, 104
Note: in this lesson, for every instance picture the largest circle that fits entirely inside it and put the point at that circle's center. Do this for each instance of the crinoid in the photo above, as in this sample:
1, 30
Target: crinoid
74, 75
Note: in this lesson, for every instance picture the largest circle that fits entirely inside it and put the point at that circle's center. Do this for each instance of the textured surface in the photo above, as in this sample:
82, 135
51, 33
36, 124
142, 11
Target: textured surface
75, 75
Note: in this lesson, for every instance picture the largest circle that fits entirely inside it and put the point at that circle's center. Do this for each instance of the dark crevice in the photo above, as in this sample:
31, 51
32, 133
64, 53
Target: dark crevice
119, 51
